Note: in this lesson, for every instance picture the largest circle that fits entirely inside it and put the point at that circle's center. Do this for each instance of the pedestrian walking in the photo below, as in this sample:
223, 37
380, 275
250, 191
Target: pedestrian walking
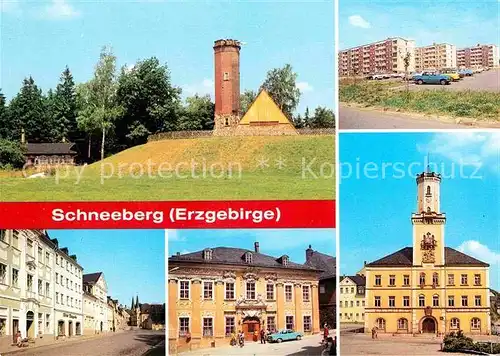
262, 336
326, 332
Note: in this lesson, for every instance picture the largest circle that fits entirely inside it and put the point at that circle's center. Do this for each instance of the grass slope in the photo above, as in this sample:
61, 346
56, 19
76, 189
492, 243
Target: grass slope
306, 172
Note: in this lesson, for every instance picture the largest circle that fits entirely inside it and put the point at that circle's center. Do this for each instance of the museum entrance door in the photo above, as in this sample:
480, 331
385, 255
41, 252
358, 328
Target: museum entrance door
251, 329
429, 326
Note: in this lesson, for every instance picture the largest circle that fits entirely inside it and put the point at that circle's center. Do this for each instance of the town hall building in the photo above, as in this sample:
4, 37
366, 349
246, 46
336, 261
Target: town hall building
428, 287
216, 292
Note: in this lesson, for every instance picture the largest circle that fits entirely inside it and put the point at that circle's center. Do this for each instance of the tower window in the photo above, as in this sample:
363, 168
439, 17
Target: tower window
226, 121
226, 75
207, 254
428, 193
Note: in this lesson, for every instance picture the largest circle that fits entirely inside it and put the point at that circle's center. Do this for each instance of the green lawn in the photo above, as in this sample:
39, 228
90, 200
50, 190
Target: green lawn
293, 180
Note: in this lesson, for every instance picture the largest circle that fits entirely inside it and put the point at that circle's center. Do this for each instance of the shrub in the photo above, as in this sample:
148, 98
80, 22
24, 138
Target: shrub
457, 342
11, 155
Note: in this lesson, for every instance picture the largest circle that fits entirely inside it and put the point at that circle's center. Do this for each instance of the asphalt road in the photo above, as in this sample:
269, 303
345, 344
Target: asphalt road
355, 119
128, 343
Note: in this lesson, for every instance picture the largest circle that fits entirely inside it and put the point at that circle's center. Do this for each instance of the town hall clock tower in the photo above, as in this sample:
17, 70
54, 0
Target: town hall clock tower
428, 222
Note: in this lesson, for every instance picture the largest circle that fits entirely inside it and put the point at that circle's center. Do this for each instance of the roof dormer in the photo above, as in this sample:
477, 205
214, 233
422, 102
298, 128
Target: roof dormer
284, 260
248, 256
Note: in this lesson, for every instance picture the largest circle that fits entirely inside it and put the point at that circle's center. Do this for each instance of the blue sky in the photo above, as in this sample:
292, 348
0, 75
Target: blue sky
462, 23
273, 242
40, 38
133, 261
375, 210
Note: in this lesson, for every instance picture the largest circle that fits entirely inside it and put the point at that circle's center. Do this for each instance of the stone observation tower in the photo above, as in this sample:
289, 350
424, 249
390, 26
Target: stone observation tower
227, 84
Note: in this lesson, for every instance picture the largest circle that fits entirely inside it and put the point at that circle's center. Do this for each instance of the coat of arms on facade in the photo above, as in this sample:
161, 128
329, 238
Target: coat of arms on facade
428, 245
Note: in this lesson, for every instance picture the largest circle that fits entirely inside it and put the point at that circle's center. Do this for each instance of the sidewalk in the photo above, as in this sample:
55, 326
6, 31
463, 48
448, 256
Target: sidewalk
40, 343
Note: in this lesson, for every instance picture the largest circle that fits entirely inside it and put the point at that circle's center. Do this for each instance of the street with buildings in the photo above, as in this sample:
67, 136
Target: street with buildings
400, 57
46, 298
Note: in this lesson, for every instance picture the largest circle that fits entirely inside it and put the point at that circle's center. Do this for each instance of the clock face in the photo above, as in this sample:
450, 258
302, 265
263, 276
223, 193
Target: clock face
428, 200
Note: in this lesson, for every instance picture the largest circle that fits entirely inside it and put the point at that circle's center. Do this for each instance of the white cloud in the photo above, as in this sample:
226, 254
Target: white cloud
59, 10
304, 86
173, 235
481, 252
206, 86
479, 149
358, 21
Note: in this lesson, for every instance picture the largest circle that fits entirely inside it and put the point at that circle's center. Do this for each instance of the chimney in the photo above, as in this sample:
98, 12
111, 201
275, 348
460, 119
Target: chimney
227, 82
309, 253
23, 137
365, 263
256, 246
178, 253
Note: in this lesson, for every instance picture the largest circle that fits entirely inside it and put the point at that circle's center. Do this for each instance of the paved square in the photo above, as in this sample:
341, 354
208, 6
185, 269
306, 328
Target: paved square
386, 344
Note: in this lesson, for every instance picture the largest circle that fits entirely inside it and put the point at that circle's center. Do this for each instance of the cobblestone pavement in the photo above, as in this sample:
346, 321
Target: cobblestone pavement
362, 344
130, 343
309, 345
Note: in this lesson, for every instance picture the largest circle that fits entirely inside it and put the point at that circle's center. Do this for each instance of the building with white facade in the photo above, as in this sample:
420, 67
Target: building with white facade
68, 293
95, 302
26, 285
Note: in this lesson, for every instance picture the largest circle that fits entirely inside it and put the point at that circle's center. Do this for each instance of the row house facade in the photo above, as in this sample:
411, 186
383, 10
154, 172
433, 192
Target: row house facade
44, 293
217, 292
118, 318
352, 299
68, 293
386, 56
95, 309
30, 287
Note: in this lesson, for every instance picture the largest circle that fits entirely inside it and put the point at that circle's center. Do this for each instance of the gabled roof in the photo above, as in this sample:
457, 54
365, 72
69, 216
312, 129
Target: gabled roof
235, 256
323, 262
59, 148
264, 110
404, 257
357, 279
91, 278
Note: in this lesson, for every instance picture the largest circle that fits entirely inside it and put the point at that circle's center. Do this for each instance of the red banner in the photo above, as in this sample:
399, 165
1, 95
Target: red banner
171, 214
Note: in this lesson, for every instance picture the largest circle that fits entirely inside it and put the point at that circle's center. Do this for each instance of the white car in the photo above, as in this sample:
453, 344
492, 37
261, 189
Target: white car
378, 76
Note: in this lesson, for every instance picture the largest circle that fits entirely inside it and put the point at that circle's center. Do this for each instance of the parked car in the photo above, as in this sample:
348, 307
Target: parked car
379, 76
466, 72
284, 335
397, 75
432, 78
455, 76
